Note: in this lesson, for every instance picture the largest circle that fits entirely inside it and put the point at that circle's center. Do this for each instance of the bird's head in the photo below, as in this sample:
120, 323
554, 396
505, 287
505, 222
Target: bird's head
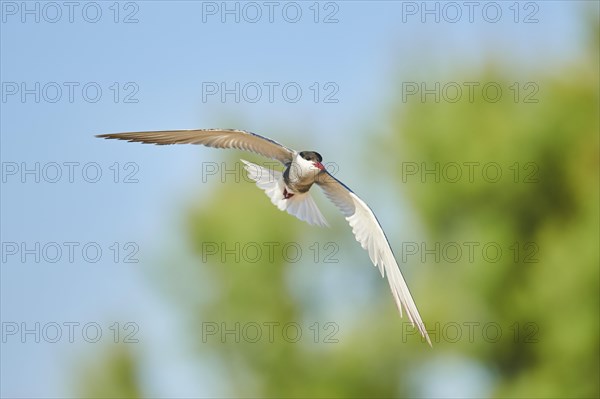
311, 160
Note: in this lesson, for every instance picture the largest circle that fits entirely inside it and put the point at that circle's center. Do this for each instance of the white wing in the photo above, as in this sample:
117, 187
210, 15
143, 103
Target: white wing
304, 208
271, 182
216, 138
370, 235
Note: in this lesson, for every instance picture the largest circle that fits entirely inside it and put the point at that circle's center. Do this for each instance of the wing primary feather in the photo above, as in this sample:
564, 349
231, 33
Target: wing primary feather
216, 138
369, 233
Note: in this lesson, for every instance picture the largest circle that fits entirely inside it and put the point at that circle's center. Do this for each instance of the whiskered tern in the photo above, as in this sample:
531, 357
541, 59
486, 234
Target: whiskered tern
289, 191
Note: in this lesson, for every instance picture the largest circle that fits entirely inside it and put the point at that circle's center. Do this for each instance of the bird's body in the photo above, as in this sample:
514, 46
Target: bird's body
301, 174
290, 191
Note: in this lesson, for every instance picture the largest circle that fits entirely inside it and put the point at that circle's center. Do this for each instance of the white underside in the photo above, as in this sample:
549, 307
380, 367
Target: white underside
271, 182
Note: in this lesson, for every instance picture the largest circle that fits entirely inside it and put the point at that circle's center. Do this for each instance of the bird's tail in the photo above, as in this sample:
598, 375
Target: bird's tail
271, 182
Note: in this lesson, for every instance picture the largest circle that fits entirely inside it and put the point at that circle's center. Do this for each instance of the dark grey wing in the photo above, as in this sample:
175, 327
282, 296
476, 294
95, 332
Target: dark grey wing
370, 235
216, 138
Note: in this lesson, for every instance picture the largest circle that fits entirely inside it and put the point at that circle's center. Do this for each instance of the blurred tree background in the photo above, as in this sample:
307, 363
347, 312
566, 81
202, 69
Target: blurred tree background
548, 310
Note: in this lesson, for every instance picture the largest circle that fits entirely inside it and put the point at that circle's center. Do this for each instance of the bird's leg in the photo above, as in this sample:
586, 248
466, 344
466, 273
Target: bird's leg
287, 194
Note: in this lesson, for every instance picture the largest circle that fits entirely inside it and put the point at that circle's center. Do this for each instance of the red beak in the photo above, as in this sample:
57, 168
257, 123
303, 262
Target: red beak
319, 165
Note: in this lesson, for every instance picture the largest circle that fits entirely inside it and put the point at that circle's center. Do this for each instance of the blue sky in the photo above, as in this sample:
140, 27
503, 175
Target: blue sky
163, 61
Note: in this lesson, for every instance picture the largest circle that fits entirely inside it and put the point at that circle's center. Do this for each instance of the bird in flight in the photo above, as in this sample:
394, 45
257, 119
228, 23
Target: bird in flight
289, 191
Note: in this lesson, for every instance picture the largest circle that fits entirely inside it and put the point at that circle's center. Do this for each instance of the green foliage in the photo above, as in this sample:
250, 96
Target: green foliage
259, 292
556, 211
112, 375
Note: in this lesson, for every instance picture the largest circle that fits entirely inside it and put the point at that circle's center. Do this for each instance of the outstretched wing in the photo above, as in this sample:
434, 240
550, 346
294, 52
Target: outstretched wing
216, 138
370, 235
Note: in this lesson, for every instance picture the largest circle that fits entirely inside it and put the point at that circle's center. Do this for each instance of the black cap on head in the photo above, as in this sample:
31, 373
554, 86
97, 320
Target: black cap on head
311, 156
